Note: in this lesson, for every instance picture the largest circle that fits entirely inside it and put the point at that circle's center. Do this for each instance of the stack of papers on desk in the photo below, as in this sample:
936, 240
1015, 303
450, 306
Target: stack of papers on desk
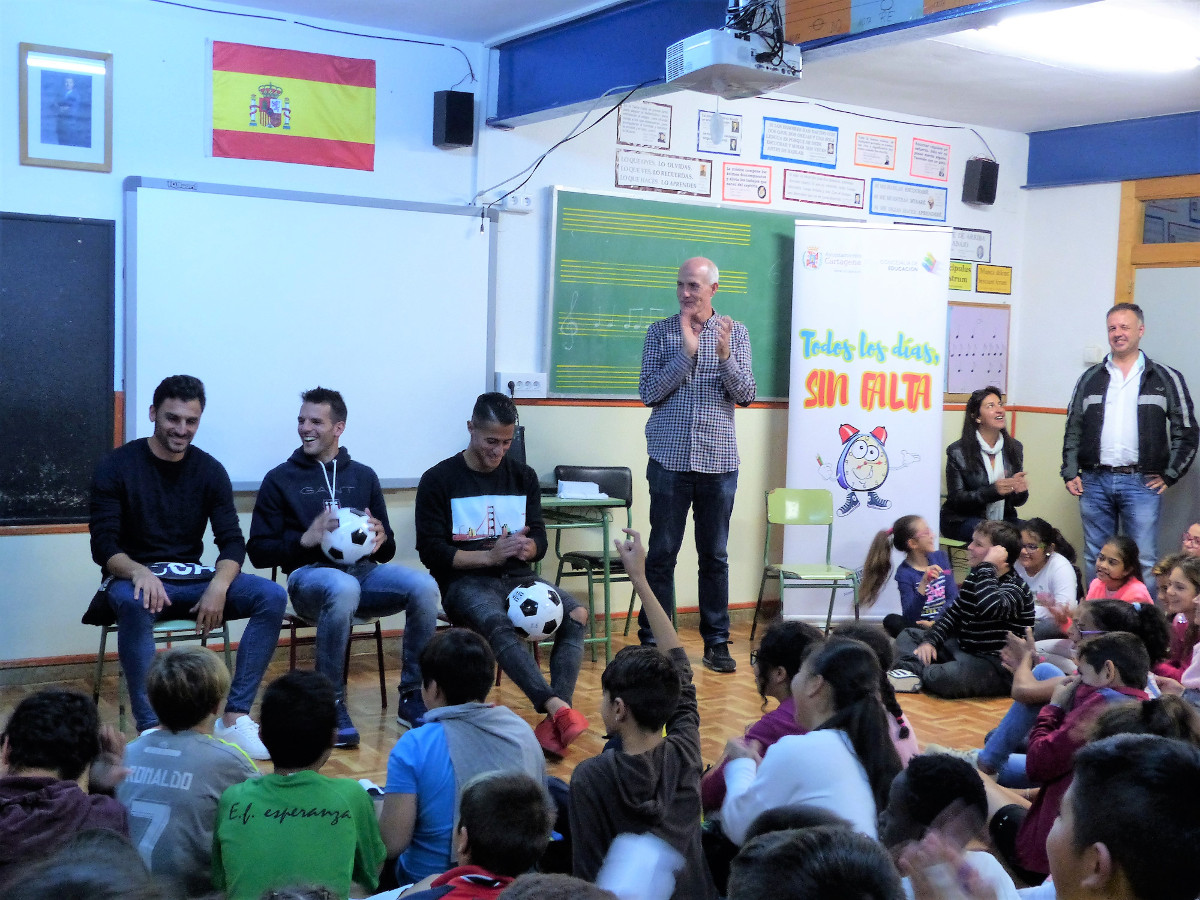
580, 490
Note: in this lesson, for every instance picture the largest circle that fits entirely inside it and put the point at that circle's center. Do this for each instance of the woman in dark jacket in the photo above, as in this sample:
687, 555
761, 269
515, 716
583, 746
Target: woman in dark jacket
985, 469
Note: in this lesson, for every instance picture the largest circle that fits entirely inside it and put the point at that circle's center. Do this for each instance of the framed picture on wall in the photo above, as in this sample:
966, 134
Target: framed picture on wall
66, 108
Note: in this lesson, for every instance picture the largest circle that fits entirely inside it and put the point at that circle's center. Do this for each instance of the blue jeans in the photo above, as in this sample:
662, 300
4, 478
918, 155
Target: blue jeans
331, 597
710, 497
997, 753
481, 604
1119, 504
261, 601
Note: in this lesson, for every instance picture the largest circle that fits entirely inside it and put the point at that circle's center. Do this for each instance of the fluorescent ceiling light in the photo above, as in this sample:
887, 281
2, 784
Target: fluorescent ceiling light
64, 64
1107, 36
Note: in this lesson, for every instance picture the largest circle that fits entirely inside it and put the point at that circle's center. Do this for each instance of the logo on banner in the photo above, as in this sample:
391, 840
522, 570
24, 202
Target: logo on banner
929, 263
812, 258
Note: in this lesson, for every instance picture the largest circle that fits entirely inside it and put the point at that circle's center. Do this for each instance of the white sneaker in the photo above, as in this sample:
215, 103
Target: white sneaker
242, 733
904, 681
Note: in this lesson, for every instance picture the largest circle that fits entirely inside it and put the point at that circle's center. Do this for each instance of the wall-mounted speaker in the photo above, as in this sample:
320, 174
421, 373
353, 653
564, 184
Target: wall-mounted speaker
453, 119
979, 183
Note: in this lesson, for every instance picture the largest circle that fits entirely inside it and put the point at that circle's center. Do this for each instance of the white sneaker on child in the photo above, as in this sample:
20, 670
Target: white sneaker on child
904, 681
242, 733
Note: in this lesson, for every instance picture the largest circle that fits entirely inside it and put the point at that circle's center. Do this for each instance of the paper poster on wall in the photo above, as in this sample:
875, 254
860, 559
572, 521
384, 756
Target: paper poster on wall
865, 418
930, 159
976, 347
993, 279
644, 124
822, 189
800, 142
729, 139
1181, 234
659, 172
876, 151
905, 200
960, 276
971, 243
744, 183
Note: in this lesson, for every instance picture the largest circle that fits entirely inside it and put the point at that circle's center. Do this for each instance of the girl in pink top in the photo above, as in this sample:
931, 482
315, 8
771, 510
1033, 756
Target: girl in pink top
1118, 573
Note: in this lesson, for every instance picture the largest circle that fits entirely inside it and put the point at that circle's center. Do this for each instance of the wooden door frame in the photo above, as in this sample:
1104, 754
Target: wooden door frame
1132, 254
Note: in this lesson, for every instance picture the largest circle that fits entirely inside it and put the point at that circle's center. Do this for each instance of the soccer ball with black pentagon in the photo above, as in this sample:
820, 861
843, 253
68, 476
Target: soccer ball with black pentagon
352, 540
535, 610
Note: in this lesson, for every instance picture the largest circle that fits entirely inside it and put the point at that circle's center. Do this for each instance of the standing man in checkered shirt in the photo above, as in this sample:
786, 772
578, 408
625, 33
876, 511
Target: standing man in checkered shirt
695, 367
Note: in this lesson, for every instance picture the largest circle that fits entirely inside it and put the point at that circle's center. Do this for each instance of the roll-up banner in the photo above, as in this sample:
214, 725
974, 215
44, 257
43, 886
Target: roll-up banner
867, 375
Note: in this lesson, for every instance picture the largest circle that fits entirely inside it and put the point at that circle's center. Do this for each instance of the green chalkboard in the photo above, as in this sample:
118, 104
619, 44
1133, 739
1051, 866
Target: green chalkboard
615, 261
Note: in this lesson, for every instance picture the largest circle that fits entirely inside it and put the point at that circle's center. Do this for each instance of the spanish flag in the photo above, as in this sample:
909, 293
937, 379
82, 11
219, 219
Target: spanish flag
291, 106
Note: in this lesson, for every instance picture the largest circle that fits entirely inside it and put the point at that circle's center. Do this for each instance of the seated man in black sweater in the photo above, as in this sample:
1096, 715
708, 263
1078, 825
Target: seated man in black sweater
151, 502
479, 529
959, 656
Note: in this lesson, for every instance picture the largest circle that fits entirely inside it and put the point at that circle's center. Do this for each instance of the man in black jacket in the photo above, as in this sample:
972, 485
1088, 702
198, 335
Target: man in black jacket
297, 504
1131, 434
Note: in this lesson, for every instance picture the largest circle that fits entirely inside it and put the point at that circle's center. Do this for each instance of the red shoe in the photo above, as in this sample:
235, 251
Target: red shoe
570, 724
547, 736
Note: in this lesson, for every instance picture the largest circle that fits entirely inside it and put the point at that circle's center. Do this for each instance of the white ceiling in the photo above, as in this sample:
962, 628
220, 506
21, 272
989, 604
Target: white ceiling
922, 77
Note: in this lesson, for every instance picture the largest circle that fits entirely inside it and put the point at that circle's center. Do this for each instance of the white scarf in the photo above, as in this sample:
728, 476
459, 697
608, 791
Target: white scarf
993, 464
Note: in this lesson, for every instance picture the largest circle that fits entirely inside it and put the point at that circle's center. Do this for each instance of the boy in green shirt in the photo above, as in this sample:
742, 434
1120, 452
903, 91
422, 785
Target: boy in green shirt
296, 826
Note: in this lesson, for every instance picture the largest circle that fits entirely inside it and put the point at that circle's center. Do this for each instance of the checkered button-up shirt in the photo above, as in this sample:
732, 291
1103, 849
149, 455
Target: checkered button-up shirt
692, 400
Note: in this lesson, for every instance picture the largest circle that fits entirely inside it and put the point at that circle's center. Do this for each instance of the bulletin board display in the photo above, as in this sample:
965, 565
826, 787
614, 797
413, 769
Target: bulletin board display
977, 347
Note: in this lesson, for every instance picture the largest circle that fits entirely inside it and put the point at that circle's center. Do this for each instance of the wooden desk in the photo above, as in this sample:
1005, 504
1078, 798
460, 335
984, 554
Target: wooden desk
562, 514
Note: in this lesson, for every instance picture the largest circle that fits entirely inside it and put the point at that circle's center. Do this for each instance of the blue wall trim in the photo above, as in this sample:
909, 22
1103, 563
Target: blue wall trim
579, 60
1115, 151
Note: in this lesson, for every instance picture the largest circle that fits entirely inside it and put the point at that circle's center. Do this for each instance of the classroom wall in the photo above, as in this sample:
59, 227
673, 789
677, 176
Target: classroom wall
162, 76
1061, 243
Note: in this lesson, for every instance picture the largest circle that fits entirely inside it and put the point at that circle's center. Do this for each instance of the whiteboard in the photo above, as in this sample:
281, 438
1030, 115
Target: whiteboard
262, 294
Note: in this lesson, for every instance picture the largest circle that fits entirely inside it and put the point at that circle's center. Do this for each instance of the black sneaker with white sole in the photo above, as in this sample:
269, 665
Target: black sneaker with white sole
717, 658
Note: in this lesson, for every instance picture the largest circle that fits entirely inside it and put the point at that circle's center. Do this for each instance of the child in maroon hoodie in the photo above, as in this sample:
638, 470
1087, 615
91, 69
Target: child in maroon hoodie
47, 794
1108, 665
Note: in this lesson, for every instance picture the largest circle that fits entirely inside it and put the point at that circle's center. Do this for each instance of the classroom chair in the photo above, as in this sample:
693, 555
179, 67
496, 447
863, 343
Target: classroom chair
793, 506
292, 621
617, 482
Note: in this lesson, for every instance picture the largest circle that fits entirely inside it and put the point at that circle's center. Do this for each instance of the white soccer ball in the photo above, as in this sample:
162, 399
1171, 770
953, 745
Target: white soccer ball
352, 540
535, 609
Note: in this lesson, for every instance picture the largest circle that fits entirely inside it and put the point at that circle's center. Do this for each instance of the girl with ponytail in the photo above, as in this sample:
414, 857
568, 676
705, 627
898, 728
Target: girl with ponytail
925, 578
876, 638
845, 763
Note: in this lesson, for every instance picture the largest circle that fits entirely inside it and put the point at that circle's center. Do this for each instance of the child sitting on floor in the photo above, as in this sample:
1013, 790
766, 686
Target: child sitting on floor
47, 794
959, 656
652, 784
296, 826
178, 772
925, 578
463, 737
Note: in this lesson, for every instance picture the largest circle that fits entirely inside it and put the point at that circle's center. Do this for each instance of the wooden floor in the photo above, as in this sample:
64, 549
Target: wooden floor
727, 704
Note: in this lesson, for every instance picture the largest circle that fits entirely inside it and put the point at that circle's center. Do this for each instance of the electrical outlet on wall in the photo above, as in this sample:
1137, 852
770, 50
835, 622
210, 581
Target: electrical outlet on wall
524, 384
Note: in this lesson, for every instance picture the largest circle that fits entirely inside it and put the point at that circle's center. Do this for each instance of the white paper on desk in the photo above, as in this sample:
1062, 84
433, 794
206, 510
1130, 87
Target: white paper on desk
580, 490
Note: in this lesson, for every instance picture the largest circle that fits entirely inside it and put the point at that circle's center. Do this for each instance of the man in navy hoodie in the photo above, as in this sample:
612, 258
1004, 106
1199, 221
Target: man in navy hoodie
296, 505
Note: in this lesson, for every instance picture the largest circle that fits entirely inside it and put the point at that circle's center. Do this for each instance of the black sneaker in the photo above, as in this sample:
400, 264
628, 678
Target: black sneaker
412, 709
718, 659
347, 735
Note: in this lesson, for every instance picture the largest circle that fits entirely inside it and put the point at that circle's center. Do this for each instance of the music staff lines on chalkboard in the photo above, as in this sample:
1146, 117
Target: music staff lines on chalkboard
579, 271
649, 226
633, 324
583, 378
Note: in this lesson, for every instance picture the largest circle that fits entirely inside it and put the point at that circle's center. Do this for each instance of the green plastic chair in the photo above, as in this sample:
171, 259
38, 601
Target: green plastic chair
795, 506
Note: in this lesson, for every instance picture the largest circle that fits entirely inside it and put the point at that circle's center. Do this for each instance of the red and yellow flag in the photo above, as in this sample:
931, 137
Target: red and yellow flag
291, 106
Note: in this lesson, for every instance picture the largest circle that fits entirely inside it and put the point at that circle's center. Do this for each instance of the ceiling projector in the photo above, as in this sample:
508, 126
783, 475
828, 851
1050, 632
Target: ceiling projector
719, 62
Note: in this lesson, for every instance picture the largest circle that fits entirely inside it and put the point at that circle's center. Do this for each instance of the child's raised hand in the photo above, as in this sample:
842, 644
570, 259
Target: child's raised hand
632, 553
933, 573
1064, 694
